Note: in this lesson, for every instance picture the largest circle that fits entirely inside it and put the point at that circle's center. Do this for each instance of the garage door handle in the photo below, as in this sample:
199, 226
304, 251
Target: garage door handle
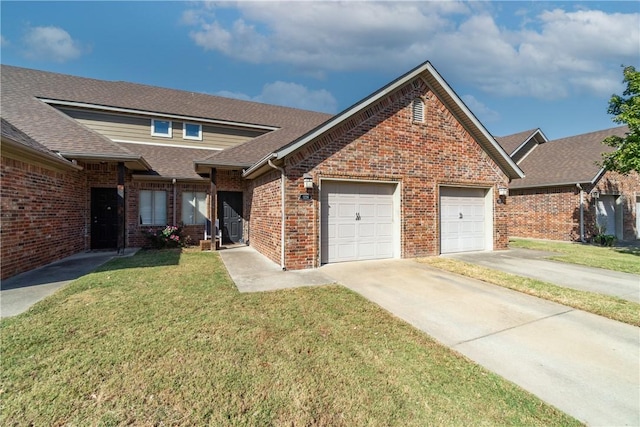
357, 216
460, 215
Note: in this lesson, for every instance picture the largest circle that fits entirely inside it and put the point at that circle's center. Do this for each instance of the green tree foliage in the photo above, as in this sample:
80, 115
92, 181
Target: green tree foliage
626, 109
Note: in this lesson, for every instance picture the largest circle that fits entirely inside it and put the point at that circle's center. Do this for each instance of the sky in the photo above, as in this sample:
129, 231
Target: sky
517, 65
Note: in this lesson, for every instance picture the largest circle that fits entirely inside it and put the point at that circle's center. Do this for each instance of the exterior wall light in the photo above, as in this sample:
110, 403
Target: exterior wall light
308, 181
503, 191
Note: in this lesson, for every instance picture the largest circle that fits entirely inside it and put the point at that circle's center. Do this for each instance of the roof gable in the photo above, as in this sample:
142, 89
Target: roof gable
567, 161
439, 86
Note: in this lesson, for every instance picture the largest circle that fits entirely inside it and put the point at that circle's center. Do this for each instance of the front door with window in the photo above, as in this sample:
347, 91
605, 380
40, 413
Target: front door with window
230, 215
104, 218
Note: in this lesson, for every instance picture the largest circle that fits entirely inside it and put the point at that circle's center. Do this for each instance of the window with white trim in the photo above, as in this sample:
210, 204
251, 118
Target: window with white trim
194, 207
161, 128
192, 131
418, 110
153, 207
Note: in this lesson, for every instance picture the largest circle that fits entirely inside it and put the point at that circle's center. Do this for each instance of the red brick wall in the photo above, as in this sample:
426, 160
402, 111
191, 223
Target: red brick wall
264, 215
545, 213
382, 143
43, 215
554, 212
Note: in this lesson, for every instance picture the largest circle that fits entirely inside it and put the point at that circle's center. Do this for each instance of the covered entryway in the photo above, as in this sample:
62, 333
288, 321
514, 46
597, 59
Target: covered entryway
463, 220
230, 215
104, 218
358, 221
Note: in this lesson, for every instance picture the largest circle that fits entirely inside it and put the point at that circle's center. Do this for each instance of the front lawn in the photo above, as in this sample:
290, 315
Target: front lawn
624, 259
164, 338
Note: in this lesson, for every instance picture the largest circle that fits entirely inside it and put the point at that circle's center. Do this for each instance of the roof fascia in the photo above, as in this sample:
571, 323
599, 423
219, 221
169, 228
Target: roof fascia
514, 172
474, 120
354, 109
555, 184
529, 139
259, 166
154, 114
141, 177
108, 158
599, 175
51, 159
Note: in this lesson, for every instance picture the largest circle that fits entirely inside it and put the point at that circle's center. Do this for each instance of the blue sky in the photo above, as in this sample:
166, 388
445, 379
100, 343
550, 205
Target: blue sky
518, 65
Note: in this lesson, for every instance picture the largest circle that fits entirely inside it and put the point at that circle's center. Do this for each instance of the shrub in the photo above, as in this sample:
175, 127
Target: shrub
168, 237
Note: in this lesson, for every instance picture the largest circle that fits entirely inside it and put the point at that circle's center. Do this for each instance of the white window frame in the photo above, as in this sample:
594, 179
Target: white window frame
169, 133
157, 211
194, 207
184, 131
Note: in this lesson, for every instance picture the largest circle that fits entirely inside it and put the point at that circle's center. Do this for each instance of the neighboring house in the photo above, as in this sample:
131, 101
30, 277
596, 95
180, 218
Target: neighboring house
565, 194
407, 171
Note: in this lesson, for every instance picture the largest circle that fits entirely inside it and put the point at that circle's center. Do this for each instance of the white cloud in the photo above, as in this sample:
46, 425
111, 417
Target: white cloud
4, 42
51, 43
290, 95
480, 110
551, 54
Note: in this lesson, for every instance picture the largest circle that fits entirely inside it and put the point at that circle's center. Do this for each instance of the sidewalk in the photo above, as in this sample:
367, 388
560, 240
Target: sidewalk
20, 292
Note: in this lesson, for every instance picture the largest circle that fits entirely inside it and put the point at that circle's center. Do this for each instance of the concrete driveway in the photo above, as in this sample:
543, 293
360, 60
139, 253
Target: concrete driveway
583, 364
530, 263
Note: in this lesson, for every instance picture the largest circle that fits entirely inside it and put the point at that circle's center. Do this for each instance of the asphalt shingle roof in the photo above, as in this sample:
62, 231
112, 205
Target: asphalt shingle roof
23, 88
566, 161
511, 142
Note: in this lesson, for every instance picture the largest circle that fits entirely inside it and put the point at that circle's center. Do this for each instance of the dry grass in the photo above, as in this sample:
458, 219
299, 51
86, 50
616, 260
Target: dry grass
624, 259
603, 305
164, 338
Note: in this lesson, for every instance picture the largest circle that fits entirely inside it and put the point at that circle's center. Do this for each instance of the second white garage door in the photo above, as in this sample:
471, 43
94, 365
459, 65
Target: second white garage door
357, 221
462, 220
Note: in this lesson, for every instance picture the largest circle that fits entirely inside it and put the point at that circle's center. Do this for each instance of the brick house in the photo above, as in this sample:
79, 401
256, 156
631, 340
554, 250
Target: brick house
565, 194
407, 171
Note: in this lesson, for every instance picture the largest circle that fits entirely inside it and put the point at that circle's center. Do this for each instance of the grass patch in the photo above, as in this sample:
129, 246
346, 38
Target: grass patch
165, 338
624, 259
602, 305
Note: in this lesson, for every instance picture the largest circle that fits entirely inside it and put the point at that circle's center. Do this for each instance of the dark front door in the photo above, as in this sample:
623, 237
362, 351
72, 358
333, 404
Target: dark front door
230, 215
104, 218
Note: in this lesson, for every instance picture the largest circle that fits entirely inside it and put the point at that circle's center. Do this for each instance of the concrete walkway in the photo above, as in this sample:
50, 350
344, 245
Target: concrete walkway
531, 263
583, 364
20, 292
253, 272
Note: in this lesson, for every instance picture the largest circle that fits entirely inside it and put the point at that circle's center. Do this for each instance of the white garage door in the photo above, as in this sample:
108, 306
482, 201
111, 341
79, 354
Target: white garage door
606, 214
357, 221
462, 219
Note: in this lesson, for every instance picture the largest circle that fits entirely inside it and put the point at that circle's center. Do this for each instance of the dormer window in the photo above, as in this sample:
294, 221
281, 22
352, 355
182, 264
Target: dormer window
192, 131
161, 128
418, 110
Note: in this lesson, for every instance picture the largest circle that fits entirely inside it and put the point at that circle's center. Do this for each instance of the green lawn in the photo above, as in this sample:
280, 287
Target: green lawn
164, 338
626, 260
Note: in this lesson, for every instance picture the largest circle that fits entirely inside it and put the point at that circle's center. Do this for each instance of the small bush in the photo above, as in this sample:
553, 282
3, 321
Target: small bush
605, 239
168, 237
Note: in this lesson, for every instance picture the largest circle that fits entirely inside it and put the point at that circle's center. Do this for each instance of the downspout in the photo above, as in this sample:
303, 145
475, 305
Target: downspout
282, 220
174, 201
581, 212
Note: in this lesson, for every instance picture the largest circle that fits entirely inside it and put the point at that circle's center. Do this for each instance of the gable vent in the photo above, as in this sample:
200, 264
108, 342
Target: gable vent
418, 110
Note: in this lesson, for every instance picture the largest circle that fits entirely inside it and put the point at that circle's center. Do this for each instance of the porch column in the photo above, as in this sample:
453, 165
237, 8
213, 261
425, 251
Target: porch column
122, 225
213, 211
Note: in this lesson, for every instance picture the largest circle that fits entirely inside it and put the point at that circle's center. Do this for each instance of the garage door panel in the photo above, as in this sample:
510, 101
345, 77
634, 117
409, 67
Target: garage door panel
462, 219
359, 221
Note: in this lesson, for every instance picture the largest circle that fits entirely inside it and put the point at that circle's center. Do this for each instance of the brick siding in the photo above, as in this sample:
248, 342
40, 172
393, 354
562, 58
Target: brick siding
554, 212
43, 219
382, 143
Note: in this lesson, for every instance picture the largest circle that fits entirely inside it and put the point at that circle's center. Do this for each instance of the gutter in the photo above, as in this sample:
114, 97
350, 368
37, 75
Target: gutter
282, 220
107, 158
